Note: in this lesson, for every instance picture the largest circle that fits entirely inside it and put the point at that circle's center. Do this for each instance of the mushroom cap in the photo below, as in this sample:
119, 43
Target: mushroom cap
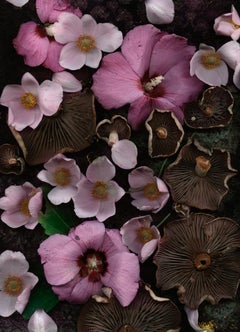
71, 129
165, 133
213, 110
145, 313
117, 124
10, 161
199, 255
191, 189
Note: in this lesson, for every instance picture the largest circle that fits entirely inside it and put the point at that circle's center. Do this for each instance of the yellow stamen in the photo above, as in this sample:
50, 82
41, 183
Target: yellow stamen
28, 100
62, 176
211, 60
86, 43
13, 286
151, 191
24, 207
100, 190
145, 234
208, 327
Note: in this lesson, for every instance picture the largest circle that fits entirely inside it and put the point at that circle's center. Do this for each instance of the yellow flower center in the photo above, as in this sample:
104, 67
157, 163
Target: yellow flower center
208, 327
28, 100
145, 234
211, 60
62, 176
100, 190
13, 286
235, 25
86, 43
24, 207
151, 191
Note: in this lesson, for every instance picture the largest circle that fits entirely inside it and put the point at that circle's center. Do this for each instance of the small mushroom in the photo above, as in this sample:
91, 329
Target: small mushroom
165, 133
10, 161
213, 110
198, 177
71, 129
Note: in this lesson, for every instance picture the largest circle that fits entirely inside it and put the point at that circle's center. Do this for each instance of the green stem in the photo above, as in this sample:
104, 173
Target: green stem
162, 167
163, 220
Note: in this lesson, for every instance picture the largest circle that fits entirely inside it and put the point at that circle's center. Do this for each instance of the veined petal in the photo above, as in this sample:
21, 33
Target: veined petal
101, 169
124, 154
67, 29
84, 289
30, 84
160, 11
93, 58
71, 57
53, 56
139, 111
107, 209
68, 81
108, 37
50, 96
140, 176
13, 263
147, 250
230, 53
11, 92
44, 8
216, 77
89, 25
59, 195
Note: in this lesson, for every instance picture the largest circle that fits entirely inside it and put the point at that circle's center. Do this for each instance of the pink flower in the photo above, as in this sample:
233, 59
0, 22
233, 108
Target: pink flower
97, 194
228, 24
21, 205
140, 237
208, 66
149, 192
28, 102
68, 81
124, 153
151, 71
16, 282
78, 265
18, 3
62, 173
85, 40
159, 11
41, 322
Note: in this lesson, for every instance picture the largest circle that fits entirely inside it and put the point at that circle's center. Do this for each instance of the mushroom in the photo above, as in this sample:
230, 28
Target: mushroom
200, 256
10, 161
165, 133
198, 177
213, 110
71, 129
147, 312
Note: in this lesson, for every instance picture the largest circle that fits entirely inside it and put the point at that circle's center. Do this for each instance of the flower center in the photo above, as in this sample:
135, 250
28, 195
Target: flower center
235, 25
93, 264
151, 191
152, 83
13, 286
24, 207
100, 190
86, 43
208, 327
202, 261
161, 132
126, 328
145, 234
28, 100
202, 166
62, 176
211, 60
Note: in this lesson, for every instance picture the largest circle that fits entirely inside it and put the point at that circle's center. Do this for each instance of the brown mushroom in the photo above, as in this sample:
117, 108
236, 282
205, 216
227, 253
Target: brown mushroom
165, 133
198, 178
200, 256
71, 129
213, 110
10, 160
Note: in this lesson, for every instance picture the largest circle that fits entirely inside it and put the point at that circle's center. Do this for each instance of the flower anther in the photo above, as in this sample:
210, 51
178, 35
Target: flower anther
24, 207
13, 286
100, 190
86, 43
28, 100
151, 191
145, 234
211, 60
93, 264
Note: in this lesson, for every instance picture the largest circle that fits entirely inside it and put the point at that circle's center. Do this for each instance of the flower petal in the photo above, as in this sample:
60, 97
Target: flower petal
18, 3
40, 321
230, 53
89, 25
30, 84
13, 263
67, 29
192, 316
236, 76
7, 304
83, 290
216, 77
71, 57
140, 176
11, 92
124, 154
139, 111
68, 81
108, 37
50, 96
147, 250
59, 195
160, 11
93, 58
52, 60
101, 169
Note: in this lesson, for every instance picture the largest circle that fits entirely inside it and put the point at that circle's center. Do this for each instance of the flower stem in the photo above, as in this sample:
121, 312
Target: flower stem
162, 167
163, 220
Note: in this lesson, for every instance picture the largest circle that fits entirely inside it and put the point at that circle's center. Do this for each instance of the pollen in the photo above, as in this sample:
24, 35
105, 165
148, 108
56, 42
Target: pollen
28, 100
100, 190
151, 191
24, 207
145, 234
86, 43
62, 176
13, 286
208, 327
211, 60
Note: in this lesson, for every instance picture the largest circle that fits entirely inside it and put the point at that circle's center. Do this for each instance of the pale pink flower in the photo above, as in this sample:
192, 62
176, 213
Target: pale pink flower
68, 81
97, 193
208, 65
148, 191
29, 102
41, 322
62, 173
160, 11
151, 71
21, 205
16, 282
78, 265
124, 153
140, 237
18, 3
228, 24
85, 40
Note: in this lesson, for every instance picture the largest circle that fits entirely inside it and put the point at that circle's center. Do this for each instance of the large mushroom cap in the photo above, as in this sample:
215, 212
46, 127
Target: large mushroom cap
165, 133
143, 314
200, 256
198, 178
118, 124
213, 110
10, 160
71, 129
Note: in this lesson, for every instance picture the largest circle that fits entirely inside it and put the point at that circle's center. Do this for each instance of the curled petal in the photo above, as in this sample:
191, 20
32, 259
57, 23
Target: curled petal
50, 97
108, 37
160, 11
68, 81
124, 154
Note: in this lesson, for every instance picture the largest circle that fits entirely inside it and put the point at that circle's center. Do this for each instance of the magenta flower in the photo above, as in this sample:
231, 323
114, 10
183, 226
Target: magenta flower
208, 66
62, 173
21, 205
228, 24
28, 102
78, 265
140, 237
149, 192
151, 71
159, 11
97, 194
85, 40
16, 282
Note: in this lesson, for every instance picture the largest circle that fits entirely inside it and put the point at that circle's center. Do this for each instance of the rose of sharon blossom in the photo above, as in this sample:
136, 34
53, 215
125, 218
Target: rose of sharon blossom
160, 11
16, 282
21, 205
151, 71
208, 66
62, 173
85, 40
228, 24
78, 265
41, 322
29, 102
140, 237
97, 193
148, 191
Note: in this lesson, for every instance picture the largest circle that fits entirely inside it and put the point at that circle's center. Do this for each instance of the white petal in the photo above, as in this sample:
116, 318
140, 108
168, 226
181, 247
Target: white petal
236, 76
108, 37
159, 11
192, 316
93, 58
68, 81
230, 53
124, 154
41, 322
18, 3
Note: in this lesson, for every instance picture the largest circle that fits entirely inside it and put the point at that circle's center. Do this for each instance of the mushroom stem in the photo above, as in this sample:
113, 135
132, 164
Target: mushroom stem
202, 166
126, 328
113, 138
